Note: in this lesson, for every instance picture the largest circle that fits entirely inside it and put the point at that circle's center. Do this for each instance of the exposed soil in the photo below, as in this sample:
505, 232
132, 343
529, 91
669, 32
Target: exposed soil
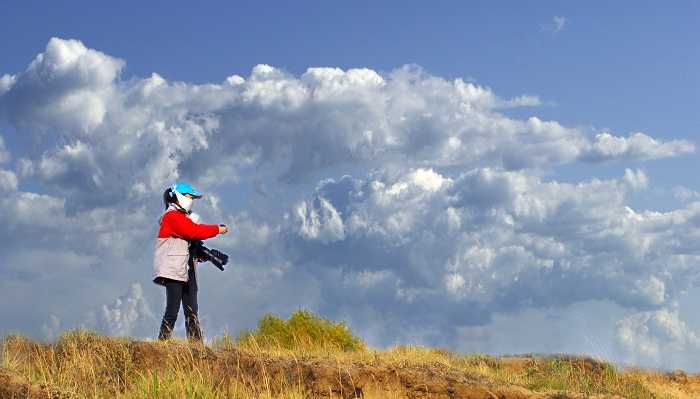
326, 378
14, 386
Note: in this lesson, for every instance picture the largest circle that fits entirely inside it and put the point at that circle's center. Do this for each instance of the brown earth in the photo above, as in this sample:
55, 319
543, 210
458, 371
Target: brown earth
14, 386
328, 378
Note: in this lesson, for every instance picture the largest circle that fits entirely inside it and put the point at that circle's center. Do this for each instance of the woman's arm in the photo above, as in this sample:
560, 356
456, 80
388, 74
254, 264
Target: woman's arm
177, 224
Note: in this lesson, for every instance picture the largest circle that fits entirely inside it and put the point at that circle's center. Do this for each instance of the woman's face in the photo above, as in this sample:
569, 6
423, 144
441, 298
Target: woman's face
188, 196
185, 201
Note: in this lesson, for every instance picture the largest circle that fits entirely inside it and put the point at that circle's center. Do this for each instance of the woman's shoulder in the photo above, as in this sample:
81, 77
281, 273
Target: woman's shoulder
173, 213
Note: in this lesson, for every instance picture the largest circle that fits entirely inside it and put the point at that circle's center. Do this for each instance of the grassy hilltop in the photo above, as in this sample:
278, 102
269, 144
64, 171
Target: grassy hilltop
307, 356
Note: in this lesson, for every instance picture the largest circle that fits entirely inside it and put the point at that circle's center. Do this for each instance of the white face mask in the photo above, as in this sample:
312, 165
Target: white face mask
184, 202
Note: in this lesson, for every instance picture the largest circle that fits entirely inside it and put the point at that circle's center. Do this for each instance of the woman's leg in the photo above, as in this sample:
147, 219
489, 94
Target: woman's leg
173, 296
190, 307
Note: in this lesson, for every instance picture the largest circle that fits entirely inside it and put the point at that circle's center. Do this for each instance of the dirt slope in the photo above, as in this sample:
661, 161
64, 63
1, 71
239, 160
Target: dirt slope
14, 386
328, 378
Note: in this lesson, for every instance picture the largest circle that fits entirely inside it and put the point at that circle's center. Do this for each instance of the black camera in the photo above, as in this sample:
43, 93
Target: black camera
216, 257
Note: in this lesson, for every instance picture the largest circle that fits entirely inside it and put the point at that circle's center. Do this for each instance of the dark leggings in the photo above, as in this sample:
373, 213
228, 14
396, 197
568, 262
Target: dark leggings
175, 293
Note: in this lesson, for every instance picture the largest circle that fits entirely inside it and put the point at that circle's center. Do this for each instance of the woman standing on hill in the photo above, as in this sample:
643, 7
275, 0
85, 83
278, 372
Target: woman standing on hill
174, 267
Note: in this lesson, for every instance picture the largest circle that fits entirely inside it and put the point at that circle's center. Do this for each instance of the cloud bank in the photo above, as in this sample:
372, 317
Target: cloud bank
408, 204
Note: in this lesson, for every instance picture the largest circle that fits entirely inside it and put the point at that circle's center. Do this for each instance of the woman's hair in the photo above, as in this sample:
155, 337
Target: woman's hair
169, 198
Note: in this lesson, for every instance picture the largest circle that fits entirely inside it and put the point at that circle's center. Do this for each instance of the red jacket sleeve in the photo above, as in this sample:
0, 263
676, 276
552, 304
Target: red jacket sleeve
176, 224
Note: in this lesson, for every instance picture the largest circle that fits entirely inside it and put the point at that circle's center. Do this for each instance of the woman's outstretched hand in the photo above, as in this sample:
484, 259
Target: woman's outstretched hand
223, 229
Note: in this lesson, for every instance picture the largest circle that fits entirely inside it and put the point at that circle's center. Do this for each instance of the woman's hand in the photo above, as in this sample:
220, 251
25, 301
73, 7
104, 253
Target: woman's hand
223, 229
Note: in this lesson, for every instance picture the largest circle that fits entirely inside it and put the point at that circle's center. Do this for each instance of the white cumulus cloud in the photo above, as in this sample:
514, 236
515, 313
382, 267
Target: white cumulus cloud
402, 201
130, 315
656, 338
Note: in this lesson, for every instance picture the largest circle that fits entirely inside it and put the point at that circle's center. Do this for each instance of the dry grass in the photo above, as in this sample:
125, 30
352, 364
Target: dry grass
88, 365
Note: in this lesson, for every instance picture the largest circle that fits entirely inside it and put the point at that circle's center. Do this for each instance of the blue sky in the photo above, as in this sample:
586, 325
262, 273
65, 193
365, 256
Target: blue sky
498, 177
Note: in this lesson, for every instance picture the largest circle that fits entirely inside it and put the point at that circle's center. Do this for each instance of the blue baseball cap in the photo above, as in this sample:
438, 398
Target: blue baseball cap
184, 188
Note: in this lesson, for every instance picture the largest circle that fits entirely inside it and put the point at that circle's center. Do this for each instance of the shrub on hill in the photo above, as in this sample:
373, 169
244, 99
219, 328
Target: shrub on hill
303, 329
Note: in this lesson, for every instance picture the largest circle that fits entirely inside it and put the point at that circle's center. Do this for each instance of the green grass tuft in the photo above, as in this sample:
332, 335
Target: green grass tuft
303, 330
